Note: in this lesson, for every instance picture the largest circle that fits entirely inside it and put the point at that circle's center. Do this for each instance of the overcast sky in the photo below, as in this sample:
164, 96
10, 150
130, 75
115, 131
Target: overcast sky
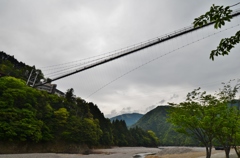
51, 32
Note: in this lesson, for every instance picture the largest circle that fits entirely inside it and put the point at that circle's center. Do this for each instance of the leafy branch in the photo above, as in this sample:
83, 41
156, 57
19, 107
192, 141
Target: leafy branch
219, 15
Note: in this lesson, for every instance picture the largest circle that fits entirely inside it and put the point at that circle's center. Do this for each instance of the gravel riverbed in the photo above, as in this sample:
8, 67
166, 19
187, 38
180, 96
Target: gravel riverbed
116, 152
126, 152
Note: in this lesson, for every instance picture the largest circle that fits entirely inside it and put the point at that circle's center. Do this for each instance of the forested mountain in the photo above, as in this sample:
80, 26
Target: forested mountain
155, 120
130, 119
36, 121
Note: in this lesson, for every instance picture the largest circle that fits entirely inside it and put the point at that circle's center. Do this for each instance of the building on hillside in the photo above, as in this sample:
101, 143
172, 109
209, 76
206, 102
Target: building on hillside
59, 93
50, 88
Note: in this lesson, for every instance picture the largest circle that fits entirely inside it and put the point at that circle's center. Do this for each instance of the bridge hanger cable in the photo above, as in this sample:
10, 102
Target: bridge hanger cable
77, 66
70, 62
62, 69
234, 4
154, 59
112, 52
135, 48
46, 67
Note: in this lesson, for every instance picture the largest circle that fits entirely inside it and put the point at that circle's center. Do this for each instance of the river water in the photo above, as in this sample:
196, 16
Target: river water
142, 155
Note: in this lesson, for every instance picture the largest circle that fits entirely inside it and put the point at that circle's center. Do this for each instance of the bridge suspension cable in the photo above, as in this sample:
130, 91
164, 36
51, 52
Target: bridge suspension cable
156, 58
124, 52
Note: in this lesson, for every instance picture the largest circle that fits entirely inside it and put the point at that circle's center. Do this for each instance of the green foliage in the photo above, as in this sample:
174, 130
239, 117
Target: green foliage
155, 120
226, 45
105, 124
12, 67
32, 116
83, 131
219, 15
92, 131
29, 115
120, 133
18, 117
130, 119
209, 118
139, 137
61, 116
153, 138
196, 118
69, 95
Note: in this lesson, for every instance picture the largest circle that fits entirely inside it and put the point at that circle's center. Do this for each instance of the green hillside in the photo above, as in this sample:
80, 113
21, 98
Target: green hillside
9, 66
130, 119
37, 121
155, 120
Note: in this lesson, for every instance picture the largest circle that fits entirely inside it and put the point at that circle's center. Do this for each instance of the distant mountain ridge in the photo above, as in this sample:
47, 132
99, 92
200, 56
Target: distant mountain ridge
156, 120
129, 118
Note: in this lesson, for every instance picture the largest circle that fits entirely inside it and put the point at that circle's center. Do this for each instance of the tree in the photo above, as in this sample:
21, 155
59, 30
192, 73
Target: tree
196, 118
120, 133
18, 120
70, 95
209, 118
82, 131
154, 139
227, 128
82, 108
105, 124
61, 116
219, 15
228, 131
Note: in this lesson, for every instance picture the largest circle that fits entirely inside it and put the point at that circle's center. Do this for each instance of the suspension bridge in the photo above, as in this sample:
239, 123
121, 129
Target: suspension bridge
108, 57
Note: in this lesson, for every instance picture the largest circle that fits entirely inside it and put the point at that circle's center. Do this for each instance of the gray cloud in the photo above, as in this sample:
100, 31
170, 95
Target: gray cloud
174, 96
150, 108
125, 110
162, 101
44, 33
112, 114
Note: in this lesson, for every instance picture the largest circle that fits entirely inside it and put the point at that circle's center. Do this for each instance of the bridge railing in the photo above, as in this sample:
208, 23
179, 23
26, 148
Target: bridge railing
144, 44
164, 37
134, 48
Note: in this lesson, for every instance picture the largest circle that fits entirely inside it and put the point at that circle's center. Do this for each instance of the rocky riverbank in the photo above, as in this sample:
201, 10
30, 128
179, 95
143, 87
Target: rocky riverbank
129, 152
116, 152
189, 152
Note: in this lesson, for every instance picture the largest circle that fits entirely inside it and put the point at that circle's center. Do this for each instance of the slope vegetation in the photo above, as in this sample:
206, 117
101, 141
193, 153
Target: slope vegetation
36, 121
155, 120
130, 119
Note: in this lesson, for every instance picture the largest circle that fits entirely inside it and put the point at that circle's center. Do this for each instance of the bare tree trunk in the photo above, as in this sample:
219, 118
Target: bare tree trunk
237, 150
208, 152
227, 151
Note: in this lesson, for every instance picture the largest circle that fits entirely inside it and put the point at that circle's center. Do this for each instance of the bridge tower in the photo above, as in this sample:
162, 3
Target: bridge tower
32, 77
